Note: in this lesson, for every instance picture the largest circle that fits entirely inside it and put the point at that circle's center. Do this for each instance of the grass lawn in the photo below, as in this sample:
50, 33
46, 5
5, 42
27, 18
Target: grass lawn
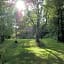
27, 52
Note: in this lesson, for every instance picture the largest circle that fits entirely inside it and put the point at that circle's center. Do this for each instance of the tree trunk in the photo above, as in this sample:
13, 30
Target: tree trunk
38, 25
62, 27
37, 31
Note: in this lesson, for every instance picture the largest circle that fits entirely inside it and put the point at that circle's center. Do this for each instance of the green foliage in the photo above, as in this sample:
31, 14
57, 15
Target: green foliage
51, 14
6, 19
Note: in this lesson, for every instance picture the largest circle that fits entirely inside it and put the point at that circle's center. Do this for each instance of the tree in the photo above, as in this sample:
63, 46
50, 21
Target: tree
6, 20
38, 8
56, 18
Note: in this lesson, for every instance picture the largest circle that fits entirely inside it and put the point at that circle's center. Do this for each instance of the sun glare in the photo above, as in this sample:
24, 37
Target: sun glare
20, 5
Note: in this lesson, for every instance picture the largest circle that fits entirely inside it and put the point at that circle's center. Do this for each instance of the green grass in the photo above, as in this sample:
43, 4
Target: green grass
27, 52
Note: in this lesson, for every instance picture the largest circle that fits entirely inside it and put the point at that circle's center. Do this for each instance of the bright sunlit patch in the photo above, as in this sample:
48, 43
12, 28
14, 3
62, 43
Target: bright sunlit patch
20, 5
23, 13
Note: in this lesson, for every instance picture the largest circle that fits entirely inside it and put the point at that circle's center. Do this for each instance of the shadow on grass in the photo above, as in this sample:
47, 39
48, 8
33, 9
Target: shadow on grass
53, 45
41, 44
55, 59
25, 57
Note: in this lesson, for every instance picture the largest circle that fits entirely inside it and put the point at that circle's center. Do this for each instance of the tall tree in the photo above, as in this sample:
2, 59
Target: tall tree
6, 19
38, 8
56, 6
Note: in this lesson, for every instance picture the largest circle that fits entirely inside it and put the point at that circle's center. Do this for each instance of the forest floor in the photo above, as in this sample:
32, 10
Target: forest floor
26, 51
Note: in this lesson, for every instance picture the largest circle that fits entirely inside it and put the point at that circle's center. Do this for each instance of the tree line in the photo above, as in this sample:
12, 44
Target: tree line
46, 20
